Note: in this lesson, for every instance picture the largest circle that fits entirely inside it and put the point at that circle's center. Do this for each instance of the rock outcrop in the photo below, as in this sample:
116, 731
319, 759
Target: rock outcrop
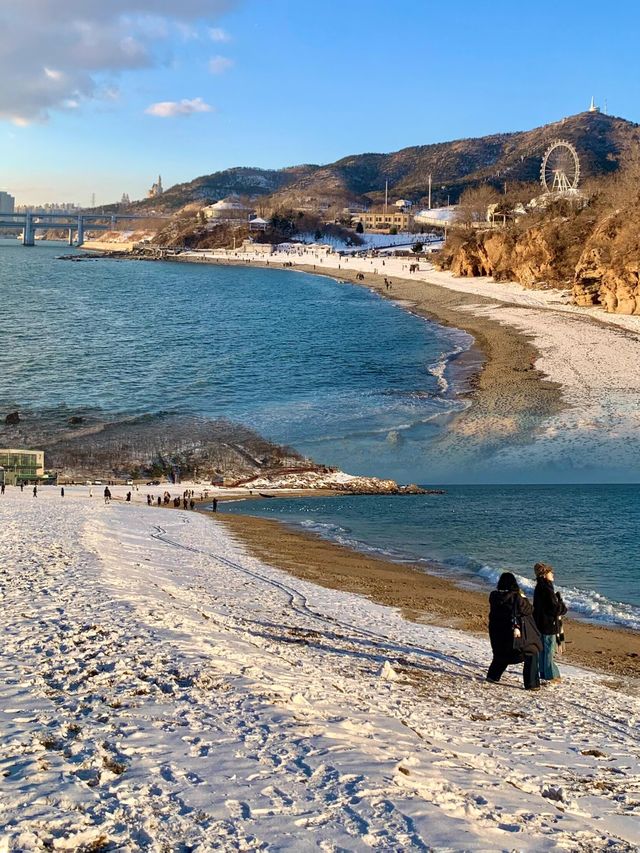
332, 480
540, 256
608, 272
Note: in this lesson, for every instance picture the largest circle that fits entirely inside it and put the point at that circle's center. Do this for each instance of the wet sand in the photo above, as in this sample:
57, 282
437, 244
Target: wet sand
421, 597
510, 398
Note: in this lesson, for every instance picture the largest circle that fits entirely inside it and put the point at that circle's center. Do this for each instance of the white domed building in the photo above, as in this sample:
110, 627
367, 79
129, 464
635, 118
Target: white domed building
227, 209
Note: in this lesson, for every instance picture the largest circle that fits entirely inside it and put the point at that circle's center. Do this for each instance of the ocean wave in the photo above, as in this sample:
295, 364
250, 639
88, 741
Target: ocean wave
439, 368
590, 605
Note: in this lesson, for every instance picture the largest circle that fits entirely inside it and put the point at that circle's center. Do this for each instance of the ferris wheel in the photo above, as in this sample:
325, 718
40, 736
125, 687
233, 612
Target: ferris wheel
560, 169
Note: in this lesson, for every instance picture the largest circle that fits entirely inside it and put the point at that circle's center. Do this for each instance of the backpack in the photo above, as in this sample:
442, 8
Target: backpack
526, 637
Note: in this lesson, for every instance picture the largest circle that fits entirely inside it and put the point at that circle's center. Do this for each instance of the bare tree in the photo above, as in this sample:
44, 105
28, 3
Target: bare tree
473, 205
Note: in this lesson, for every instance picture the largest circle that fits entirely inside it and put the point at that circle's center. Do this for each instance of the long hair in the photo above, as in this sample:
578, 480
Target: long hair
508, 583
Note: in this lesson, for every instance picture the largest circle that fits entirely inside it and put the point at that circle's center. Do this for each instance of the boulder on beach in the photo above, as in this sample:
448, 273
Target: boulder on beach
12, 419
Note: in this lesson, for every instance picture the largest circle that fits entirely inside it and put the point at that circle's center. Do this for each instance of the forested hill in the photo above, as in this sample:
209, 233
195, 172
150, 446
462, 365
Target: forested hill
601, 140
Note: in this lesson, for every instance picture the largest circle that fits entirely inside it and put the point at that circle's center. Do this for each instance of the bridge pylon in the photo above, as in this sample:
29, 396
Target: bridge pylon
29, 233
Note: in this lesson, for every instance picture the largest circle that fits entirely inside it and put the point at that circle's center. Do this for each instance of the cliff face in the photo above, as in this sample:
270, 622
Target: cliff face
599, 259
608, 271
540, 256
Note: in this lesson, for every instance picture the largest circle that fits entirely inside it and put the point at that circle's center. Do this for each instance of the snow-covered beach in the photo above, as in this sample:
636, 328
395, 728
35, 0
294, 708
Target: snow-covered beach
165, 690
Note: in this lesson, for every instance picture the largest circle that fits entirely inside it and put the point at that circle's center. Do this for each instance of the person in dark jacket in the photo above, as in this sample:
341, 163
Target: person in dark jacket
509, 607
548, 608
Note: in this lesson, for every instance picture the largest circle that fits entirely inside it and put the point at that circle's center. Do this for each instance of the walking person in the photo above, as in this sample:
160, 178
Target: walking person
107, 495
35, 491
513, 633
548, 610
61, 491
2, 488
214, 505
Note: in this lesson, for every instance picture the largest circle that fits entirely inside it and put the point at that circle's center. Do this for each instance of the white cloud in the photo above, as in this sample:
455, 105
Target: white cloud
220, 64
185, 107
217, 34
55, 54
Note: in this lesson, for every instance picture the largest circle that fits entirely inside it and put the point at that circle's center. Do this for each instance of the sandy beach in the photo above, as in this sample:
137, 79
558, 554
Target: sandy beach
165, 688
420, 597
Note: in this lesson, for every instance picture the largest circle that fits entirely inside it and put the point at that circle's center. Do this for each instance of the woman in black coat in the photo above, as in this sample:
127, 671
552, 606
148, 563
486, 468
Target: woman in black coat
508, 609
548, 610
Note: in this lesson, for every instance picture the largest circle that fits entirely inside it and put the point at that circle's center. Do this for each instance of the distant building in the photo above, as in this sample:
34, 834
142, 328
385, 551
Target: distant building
7, 203
380, 220
125, 199
258, 224
21, 465
592, 107
231, 208
49, 207
403, 204
156, 189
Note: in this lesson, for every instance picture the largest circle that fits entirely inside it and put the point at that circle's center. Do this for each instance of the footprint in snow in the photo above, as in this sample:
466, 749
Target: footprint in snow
238, 810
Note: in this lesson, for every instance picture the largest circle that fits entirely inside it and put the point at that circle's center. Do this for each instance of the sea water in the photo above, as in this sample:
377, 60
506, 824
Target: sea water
332, 369
349, 378
473, 533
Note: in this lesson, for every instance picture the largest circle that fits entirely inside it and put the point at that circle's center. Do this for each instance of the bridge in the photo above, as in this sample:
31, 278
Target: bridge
74, 223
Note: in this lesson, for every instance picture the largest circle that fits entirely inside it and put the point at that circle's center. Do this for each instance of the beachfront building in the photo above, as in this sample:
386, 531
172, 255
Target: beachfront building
258, 224
384, 220
17, 465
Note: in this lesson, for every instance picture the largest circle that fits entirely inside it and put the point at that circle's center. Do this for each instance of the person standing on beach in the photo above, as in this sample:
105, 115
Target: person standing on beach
214, 505
21, 486
61, 491
509, 612
2, 488
107, 494
548, 609
35, 491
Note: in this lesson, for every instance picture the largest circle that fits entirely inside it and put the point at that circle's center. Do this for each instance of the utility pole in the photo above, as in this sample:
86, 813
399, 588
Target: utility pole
386, 195
429, 190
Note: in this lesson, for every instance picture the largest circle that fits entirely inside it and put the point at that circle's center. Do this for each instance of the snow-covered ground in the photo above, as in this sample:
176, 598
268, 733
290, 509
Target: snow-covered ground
163, 690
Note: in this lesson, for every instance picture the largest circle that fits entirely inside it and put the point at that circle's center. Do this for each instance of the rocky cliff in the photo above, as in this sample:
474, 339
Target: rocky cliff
543, 255
608, 271
594, 253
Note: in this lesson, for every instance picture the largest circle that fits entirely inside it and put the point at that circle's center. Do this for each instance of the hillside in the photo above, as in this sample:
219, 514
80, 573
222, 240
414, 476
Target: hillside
601, 141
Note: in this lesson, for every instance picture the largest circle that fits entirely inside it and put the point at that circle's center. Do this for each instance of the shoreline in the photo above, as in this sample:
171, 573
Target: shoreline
509, 396
420, 596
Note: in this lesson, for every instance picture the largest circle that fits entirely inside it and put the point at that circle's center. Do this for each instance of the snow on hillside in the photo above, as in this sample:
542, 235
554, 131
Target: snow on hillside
163, 690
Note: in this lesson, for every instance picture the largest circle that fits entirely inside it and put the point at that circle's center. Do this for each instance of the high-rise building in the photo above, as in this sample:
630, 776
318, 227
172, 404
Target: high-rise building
7, 203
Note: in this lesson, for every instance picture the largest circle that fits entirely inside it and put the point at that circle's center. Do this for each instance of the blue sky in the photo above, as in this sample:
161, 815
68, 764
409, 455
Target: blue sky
187, 87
